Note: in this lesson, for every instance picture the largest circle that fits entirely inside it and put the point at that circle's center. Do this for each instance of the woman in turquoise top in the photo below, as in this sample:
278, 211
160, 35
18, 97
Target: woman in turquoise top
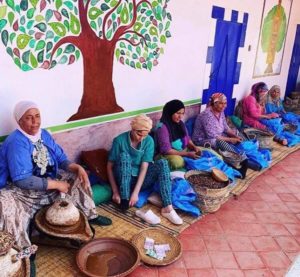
131, 168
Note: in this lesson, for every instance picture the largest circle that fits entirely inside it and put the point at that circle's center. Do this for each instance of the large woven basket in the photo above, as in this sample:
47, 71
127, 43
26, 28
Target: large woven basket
264, 138
160, 237
208, 200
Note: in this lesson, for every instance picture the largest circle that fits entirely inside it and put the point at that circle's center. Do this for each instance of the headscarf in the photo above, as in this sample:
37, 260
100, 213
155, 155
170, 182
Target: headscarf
217, 97
275, 101
20, 109
176, 130
255, 90
141, 123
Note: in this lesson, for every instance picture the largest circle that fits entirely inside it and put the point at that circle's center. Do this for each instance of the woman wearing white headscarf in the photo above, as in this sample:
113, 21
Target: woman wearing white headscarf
33, 170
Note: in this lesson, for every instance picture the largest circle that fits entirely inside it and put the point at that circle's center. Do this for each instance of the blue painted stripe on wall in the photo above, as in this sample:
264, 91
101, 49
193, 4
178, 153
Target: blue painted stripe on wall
217, 12
245, 19
237, 73
209, 56
243, 35
234, 16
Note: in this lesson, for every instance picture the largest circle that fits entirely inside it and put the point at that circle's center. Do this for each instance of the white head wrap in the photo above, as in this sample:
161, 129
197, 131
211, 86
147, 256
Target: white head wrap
22, 107
141, 122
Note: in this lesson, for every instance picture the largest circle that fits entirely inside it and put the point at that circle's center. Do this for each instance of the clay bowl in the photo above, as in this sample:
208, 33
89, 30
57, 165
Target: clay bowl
219, 175
107, 257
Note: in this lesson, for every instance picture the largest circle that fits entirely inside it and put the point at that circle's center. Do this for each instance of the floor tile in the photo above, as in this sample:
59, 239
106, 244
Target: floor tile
265, 243
278, 272
251, 196
218, 242
209, 228
249, 260
192, 243
196, 259
247, 217
269, 196
288, 243
178, 272
277, 229
293, 206
259, 206
288, 218
287, 197
278, 207
267, 217
240, 243
292, 255
294, 229
201, 273
221, 259
275, 259
229, 273
258, 273
144, 271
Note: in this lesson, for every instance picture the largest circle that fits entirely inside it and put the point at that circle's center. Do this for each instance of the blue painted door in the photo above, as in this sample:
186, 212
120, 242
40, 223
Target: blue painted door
224, 67
294, 65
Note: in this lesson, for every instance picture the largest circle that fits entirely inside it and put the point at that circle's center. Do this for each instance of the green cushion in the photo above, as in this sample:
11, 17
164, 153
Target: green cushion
101, 193
175, 161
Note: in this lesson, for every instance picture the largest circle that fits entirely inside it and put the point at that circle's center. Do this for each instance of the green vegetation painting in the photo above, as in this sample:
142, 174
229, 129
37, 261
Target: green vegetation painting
47, 33
272, 37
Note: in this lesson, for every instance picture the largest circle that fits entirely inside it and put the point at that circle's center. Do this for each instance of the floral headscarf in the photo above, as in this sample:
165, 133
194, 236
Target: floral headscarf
271, 100
217, 97
256, 88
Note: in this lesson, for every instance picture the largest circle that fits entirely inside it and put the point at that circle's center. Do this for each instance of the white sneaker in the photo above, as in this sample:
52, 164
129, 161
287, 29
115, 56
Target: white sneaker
173, 217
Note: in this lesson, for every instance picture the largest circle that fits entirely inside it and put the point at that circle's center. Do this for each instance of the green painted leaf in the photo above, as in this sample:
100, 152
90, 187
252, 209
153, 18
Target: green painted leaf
48, 15
24, 5
49, 34
124, 15
104, 7
10, 17
77, 54
2, 24
4, 37
118, 54
58, 28
162, 39
31, 32
39, 18
11, 4
22, 29
22, 41
154, 4
149, 12
167, 25
149, 65
153, 31
30, 24
129, 47
33, 61
109, 34
30, 13
93, 25
58, 52
138, 50
137, 26
132, 64
58, 4
169, 16
69, 49
41, 26
69, 5
94, 2
160, 27
32, 43
143, 31
25, 56
22, 20
40, 56
56, 38
12, 37
17, 9
94, 13
34, 3
53, 64
40, 45
119, 9
122, 45
17, 62
74, 25
26, 67
9, 51
99, 21
63, 59
168, 34
113, 3
49, 46
134, 56
138, 65
3, 10
65, 13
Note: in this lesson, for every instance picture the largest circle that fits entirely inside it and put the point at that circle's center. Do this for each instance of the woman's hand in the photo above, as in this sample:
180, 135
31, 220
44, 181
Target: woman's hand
193, 155
235, 140
116, 197
81, 174
133, 199
58, 185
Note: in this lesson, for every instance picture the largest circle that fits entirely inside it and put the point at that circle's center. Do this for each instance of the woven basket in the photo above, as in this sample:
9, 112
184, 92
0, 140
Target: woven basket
233, 158
264, 138
160, 237
205, 191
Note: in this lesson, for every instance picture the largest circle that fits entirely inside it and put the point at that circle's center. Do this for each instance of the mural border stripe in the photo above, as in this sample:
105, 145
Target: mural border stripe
107, 118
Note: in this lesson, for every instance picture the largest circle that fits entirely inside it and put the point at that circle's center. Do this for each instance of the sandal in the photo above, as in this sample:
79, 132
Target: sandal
101, 221
173, 217
148, 216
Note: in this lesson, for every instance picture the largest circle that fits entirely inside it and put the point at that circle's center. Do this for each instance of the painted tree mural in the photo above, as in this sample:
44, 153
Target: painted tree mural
45, 33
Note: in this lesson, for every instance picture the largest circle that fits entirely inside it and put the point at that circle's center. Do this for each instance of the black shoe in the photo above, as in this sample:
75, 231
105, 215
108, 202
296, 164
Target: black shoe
101, 221
124, 205
243, 169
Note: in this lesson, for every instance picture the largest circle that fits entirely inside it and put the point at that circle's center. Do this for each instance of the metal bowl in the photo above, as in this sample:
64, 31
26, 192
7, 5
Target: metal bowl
107, 257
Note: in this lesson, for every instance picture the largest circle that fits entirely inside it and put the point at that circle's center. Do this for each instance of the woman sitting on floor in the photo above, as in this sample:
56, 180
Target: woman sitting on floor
131, 168
172, 136
29, 164
254, 114
211, 126
274, 105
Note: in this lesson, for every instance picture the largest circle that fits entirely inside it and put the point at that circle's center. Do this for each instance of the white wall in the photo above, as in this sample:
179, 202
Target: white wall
180, 73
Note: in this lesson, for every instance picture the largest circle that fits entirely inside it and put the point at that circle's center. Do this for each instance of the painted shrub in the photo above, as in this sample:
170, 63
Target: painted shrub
45, 33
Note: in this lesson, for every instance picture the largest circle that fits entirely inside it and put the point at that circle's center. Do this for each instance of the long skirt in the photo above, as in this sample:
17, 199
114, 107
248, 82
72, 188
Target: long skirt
18, 206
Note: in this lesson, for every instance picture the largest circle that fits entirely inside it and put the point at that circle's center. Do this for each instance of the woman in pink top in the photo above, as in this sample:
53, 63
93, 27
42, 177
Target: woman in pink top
254, 111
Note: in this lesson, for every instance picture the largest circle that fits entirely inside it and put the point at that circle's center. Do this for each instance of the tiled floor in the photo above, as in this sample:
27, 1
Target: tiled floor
256, 235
